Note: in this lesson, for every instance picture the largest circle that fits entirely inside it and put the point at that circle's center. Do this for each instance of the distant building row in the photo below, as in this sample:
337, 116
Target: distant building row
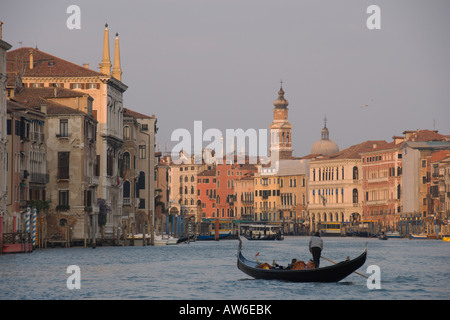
374, 181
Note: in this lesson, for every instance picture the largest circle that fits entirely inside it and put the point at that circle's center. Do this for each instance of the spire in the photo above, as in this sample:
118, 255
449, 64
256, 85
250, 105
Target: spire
117, 71
281, 102
325, 133
105, 65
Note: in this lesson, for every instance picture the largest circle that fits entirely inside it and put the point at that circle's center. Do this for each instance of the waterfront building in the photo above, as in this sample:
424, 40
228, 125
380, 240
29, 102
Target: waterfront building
382, 184
70, 139
417, 150
4, 46
162, 184
281, 193
37, 69
139, 165
244, 188
443, 205
26, 161
183, 179
335, 185
207, 193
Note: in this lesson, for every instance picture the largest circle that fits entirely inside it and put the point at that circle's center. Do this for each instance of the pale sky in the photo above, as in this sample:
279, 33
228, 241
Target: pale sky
222, 61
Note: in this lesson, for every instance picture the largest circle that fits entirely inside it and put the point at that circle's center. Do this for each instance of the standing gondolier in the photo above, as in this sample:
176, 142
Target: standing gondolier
315, 247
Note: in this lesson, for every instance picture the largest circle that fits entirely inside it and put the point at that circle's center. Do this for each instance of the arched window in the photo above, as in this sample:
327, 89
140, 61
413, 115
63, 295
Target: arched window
192, 178
355, 173
126, 161
355, 195
126, 133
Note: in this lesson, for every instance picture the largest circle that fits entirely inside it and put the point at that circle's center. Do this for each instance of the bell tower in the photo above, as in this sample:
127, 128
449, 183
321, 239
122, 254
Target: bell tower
280, 128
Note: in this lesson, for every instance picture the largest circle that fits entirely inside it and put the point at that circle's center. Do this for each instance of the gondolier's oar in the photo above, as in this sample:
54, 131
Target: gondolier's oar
353, 271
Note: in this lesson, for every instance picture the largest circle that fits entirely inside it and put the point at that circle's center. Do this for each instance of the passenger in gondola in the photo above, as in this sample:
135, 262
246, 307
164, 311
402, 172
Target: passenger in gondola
315, 247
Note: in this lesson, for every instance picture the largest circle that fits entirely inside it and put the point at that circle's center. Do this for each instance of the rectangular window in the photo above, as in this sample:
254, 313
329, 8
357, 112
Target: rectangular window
142, 152
63, 199
63, 128
63, 165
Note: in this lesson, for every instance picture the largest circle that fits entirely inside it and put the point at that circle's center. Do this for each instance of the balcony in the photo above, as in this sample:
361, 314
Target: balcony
127, 201
39, 177
24, 174
37, 137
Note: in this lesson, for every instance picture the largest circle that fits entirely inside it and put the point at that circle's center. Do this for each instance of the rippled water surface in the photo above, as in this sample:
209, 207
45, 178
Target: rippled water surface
410, 269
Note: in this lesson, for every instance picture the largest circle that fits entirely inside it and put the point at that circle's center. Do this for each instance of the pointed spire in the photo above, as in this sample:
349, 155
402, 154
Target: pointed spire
105, 65
117, 71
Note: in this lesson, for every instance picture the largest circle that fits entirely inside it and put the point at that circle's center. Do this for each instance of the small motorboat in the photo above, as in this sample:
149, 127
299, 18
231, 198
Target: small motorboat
160, 241
393, 234
333, 273
446, 238
421, 236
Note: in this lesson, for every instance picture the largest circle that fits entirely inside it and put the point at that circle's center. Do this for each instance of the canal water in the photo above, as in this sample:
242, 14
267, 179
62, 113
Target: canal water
206, 270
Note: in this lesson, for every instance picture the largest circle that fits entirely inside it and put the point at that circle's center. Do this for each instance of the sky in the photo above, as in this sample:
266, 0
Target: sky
221, 61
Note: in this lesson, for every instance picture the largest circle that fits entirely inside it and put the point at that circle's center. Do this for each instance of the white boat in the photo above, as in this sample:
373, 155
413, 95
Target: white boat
418, 236
160, 241
172, 241
393, 234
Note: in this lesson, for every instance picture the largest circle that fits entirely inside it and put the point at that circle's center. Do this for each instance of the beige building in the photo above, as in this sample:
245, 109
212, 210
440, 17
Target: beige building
183, 187
335, 186
138, 170
281, 193
70, 138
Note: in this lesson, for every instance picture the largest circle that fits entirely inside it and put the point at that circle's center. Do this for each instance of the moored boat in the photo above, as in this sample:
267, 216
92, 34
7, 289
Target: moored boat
333, 273
393, 234
446, 238
261, 232
213, 237
421, 236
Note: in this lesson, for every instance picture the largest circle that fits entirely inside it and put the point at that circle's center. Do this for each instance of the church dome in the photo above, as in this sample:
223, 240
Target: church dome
324, 146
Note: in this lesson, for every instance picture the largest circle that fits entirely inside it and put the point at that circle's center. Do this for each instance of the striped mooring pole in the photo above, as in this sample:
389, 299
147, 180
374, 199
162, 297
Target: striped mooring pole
27, 220
34, 226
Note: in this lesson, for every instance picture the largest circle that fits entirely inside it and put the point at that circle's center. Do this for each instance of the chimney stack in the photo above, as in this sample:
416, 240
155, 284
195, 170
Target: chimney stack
86, 65
1, 23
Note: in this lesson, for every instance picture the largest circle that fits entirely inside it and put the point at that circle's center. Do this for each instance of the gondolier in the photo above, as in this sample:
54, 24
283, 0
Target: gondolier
315, 247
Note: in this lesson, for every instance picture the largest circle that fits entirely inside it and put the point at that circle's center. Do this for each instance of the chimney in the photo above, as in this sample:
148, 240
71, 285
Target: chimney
398, 139
1, 30
43, 107
86, 65
31, 60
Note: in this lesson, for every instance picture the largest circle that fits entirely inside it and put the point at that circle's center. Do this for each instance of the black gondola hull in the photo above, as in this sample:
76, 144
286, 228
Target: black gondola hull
333, 273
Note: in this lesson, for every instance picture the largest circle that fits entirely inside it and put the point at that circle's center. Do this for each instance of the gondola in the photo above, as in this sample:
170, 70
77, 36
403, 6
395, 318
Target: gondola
333, 273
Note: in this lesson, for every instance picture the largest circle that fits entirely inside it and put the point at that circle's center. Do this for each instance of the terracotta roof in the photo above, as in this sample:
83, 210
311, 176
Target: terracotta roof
425, 135
354, 151
45, 65
33, 98
136, 115
49, 92
209, 173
